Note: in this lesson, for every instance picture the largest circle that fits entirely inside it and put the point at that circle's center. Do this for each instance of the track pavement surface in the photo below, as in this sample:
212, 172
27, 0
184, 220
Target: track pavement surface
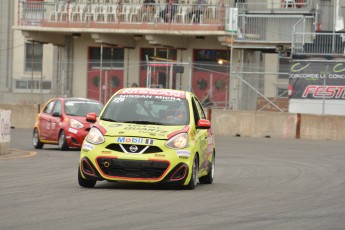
260, 184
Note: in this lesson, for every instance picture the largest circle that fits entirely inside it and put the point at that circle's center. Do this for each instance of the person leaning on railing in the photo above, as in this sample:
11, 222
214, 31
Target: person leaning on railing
164, 14
198, 10
149, 6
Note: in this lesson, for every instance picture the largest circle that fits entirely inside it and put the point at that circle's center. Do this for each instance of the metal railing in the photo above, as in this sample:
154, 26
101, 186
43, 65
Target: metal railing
305, 41
275, 5
318, 43
79, 14
269, 28
161, 16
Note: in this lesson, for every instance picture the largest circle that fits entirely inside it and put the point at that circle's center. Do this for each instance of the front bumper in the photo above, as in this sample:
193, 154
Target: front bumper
75, 137
165, 167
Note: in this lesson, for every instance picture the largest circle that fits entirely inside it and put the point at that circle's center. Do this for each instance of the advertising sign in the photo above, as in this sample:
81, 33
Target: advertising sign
317, 88
5, 125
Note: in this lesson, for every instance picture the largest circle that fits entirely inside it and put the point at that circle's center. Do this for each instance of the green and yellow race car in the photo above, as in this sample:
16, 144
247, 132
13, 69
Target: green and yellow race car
151, 136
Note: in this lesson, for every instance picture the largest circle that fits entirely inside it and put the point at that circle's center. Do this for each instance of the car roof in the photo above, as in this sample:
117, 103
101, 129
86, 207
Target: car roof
76, 99
154, 92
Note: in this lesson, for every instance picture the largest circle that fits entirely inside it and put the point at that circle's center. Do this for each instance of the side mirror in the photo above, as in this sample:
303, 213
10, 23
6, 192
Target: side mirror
56, 114
91, 117
203, 124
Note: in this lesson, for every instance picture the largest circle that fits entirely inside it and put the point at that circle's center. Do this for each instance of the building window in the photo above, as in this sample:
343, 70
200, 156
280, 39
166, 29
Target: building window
206, 60
284, 68
33, 57
157, 54
26, 85
112, 57
282, 92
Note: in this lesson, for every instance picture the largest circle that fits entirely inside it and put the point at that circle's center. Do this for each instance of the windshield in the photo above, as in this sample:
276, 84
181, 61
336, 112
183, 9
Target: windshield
81, 108
147, 109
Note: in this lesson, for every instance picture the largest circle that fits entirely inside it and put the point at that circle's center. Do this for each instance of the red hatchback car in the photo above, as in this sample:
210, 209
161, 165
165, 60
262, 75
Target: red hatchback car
62, 122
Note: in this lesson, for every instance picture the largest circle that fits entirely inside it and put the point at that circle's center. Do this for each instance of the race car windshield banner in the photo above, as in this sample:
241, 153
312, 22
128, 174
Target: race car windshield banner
317, 87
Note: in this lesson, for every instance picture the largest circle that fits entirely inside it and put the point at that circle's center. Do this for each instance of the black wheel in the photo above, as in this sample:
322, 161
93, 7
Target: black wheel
36, 140
208, 179
87, 183
194, 179
62, 141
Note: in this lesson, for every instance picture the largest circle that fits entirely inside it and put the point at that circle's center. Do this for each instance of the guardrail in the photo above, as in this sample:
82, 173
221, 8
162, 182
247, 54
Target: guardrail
318, 43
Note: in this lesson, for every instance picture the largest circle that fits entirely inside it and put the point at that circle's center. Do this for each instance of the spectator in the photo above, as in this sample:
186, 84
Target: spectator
170, 10
149, 7
198, 10
134, 84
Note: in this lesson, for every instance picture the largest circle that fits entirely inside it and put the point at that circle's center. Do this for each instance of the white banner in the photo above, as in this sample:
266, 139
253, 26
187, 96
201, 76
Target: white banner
339, 20
5, 125
232, 25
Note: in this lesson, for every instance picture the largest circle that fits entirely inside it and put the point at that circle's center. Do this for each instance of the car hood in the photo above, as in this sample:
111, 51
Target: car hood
139, 130
80, 119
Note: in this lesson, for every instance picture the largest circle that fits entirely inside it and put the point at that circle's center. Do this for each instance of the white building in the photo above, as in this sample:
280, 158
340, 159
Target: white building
91, 48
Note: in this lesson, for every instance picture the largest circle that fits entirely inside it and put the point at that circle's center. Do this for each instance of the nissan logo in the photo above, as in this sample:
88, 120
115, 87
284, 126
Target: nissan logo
133, 148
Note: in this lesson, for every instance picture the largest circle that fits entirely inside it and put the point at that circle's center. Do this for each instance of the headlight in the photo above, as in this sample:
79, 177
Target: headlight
75, 124
179, 141
95, 136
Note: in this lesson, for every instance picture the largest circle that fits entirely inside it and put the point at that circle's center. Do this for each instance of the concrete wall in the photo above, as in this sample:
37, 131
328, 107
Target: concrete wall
22, 116
235, 123
254, 124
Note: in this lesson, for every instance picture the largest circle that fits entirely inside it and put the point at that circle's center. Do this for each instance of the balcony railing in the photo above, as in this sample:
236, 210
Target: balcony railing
121, 15
166, 17
269, 28
305, 41
274, 6
319, 43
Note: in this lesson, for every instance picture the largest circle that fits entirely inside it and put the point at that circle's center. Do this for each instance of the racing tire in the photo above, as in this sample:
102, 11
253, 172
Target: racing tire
208, 179
86, 183
62, 141
36, 140
194, 178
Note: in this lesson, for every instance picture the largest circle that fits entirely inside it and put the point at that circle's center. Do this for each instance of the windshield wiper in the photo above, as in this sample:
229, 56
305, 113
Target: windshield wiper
144, 122
107, 119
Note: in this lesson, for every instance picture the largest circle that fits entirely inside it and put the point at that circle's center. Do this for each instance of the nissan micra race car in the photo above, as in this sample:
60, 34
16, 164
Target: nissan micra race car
151, 136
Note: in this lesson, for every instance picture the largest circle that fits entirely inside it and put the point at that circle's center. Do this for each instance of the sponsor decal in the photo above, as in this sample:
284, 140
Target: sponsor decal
147, 129
106, 152
72, 130
149, 141
154, 92
135, 96
134, 140
88, 146
185, 153
114, 125
183, 157
317, 80
159, 155
167, 98
298, 67
330, 91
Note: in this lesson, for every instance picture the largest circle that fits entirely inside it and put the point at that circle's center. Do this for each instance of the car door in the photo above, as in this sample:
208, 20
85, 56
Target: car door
201, 135
44, 121
56, 121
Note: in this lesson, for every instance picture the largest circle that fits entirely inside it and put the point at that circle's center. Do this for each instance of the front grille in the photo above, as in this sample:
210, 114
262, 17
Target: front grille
132, 168
150, 149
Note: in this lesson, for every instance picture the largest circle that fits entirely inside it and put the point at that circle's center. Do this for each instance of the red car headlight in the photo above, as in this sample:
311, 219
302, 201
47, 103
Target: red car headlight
75, 124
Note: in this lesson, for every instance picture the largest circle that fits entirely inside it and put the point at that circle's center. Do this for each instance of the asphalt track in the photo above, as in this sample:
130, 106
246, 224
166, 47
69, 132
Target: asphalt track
260, 184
